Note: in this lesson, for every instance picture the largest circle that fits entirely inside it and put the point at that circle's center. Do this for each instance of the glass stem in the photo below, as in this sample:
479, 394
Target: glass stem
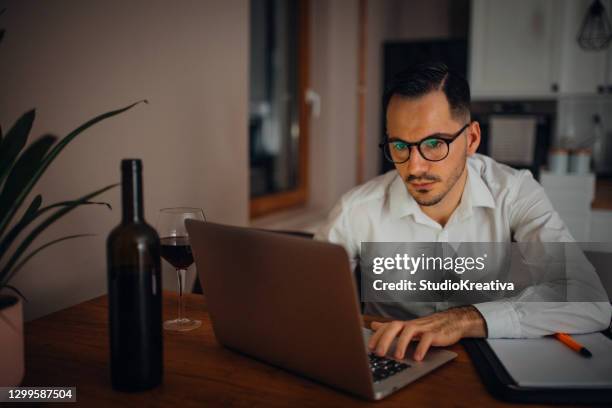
180, 274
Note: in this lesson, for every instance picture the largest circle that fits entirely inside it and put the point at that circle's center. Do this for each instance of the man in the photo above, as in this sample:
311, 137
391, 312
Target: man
442, 191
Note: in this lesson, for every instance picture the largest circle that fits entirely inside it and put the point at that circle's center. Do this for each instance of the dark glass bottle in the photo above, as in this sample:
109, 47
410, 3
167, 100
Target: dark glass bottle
134, 291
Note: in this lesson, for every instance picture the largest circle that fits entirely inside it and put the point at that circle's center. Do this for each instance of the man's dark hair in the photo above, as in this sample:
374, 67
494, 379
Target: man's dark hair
423, 78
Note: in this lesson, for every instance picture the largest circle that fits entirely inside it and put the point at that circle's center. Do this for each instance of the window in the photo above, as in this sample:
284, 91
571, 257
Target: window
278, 115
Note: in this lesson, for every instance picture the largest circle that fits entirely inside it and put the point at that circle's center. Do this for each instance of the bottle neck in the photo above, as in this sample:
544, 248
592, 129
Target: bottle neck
131, 194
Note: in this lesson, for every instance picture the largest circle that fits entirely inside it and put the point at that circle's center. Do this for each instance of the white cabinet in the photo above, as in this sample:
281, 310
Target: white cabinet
528, 49
513, 49
601, 227
581, 71
571, 196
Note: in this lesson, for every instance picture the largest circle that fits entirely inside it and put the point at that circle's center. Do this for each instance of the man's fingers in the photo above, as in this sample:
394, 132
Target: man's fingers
380, 328
404, 340
391, 330
376, 325
423, 346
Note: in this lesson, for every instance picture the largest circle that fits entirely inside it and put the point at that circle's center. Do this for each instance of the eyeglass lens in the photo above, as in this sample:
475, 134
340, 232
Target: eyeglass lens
432, 149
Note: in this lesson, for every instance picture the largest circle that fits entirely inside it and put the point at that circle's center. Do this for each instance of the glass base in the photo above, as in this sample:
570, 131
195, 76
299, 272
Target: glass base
181, 324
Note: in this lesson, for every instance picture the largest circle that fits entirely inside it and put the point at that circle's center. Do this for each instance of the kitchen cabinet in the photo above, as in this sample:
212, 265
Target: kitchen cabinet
571, 196
581, 71
601, 227
528, 49
513, 49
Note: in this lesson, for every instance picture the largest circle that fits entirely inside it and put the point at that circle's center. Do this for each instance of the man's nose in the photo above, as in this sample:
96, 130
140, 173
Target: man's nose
417, 164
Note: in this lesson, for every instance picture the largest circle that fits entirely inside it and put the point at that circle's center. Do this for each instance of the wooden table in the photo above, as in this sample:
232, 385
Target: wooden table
70, 348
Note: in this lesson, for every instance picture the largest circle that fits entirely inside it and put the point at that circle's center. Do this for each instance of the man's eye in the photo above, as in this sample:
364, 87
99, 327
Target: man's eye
432, 143
399, 146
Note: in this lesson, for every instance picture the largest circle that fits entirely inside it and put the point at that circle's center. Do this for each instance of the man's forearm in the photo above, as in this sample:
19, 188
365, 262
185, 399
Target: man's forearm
470, 321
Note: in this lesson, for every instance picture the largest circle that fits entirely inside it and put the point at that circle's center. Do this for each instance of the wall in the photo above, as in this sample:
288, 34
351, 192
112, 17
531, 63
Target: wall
379, 28
333, 134
72, 60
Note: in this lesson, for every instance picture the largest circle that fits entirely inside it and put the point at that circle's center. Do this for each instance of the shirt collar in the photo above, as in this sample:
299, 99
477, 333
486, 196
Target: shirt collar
475, 194
478, 192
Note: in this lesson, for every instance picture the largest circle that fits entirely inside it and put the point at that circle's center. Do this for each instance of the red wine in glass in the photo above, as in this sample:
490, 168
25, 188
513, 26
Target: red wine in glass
177, 251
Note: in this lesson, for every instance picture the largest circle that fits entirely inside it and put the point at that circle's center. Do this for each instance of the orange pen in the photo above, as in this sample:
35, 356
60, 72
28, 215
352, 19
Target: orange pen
573, 344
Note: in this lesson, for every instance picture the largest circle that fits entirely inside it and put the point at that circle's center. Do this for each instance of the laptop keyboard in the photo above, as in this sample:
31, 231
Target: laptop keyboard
383, 367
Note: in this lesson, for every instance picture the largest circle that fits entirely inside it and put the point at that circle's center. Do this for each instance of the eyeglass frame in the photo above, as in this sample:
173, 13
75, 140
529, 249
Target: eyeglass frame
437, 136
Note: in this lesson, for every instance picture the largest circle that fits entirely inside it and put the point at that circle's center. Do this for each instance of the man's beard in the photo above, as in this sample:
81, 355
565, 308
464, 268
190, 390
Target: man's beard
452, 180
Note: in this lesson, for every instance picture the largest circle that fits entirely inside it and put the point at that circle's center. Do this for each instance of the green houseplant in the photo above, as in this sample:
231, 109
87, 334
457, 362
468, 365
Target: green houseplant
21, 166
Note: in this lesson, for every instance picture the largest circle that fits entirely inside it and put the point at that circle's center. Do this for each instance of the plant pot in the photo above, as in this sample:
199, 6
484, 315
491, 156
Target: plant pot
11, 341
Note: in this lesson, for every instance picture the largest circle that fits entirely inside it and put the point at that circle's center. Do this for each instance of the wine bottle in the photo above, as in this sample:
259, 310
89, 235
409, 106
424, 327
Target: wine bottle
134, 291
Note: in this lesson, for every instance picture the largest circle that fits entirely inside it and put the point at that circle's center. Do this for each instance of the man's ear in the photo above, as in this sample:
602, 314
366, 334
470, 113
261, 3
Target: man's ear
473, 137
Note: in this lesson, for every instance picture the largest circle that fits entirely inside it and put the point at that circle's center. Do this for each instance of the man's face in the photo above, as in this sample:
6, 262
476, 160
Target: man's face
411, 120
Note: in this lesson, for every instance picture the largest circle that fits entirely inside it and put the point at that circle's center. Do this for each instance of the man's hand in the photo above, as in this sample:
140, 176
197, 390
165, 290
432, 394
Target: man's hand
439, 329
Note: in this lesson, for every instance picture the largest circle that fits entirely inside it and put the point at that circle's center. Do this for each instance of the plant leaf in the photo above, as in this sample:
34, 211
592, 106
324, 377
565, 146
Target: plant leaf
33, 208
23, 170
28, 216
6, 273
5, 217
2, 31
31, 214
25, 220
63, 203
40, 248
17, 291
14, 141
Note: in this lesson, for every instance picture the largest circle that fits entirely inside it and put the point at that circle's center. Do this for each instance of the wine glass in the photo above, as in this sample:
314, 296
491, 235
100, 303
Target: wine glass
176, 250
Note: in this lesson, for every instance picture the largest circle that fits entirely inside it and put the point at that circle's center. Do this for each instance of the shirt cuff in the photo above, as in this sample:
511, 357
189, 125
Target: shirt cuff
501, 318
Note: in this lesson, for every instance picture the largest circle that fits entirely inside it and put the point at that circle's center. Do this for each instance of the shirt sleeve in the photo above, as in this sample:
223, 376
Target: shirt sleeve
337, 230
533, 218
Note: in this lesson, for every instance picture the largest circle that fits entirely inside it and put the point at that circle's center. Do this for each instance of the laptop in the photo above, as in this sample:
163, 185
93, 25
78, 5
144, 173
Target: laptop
292, 302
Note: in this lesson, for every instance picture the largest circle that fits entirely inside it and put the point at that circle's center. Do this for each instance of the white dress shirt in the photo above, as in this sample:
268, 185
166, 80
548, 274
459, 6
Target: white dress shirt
499, 204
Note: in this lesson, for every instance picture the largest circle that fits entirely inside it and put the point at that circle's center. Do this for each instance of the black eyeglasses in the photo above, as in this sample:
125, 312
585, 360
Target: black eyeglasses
432, 148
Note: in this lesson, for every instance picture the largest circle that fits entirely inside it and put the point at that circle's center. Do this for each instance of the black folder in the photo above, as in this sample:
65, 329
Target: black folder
501, 385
